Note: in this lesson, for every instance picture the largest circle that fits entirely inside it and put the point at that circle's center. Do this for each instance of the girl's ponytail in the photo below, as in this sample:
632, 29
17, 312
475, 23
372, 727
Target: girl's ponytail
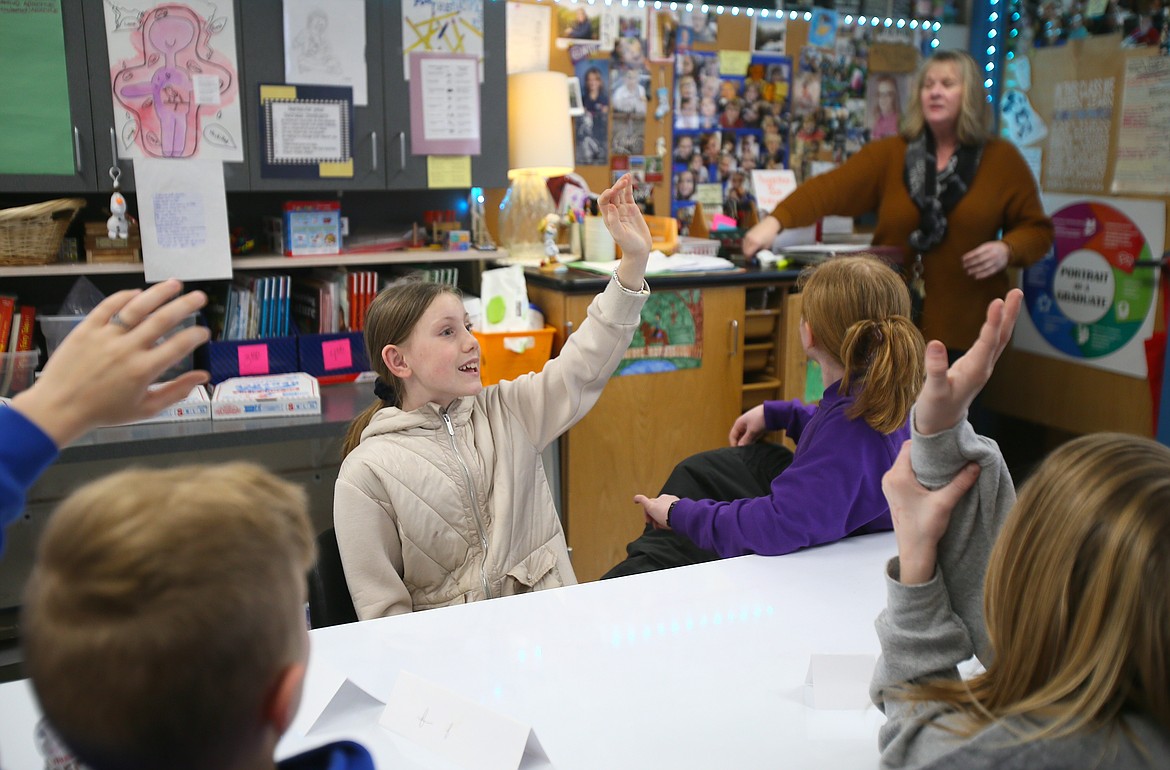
884, 357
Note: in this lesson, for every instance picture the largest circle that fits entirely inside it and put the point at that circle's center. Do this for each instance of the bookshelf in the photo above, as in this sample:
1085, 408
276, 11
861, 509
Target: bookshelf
263, 262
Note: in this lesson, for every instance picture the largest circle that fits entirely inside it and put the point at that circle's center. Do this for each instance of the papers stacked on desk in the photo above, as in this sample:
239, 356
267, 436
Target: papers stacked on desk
660, 264
273, 395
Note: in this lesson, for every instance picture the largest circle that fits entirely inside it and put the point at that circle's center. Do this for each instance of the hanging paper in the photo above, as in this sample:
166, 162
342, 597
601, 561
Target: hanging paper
442, 26
324, 44
444, 104
183, 219
307, 132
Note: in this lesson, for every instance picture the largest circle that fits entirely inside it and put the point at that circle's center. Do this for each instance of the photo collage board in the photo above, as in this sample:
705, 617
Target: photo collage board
768, 110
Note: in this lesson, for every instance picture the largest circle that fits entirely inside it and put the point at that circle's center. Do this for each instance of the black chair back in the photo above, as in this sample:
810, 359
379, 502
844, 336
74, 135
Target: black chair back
329, 601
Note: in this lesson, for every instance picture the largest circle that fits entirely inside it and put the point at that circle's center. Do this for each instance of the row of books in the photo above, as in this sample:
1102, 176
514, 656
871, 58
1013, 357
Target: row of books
16, 325
325, 301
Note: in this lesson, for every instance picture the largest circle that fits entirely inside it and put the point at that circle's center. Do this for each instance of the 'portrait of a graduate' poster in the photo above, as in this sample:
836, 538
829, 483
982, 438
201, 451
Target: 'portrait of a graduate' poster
1092, 299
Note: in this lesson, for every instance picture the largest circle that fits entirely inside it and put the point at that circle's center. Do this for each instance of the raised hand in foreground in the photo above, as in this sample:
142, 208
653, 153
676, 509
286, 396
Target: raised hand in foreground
101, 372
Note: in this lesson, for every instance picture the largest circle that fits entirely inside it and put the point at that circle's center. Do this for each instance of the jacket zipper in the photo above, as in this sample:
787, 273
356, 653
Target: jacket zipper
487, 589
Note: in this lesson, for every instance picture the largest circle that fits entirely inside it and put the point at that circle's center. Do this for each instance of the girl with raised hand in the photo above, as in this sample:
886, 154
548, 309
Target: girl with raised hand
760, 498
1077, 631
442, 498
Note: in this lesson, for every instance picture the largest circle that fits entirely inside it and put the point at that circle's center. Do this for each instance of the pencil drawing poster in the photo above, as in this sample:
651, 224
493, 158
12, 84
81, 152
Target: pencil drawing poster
325, 44
669, 336
442, 26
175, 79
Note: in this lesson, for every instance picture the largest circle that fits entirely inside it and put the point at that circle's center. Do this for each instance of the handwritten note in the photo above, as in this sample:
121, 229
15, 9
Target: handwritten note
1143, 145
461, 731
182, 211
336, 354
252, 359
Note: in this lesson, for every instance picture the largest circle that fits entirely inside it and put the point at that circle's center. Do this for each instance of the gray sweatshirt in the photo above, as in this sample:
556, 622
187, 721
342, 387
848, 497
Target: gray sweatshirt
927, 630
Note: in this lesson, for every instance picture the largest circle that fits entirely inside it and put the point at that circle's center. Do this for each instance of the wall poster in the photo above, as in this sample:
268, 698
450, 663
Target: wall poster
670, 335
175, 79
1091, 300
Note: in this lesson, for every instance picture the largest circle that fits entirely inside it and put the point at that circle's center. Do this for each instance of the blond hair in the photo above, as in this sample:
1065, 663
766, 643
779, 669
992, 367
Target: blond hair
1076, 603
391, 318
974, 121
858, 310
162, 608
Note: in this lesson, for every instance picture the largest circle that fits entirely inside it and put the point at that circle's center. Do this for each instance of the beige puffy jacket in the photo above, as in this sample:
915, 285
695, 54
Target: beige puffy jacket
437, 507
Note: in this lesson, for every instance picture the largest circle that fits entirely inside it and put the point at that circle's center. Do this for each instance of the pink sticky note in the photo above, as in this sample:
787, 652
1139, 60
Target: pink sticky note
336, 354
253, 359
722, 221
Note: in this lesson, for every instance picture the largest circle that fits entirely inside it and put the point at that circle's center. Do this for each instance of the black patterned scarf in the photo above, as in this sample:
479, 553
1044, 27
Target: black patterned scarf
936, 192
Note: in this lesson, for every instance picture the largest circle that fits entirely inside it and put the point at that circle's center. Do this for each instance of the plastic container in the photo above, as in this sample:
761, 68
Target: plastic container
57, 327
497, 362
17, 371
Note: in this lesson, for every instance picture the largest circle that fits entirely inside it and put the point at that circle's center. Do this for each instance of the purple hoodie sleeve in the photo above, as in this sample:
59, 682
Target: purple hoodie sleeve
788, 416
820, 498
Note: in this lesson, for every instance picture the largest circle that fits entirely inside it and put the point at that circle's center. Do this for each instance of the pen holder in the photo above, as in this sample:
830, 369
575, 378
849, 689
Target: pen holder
599, 245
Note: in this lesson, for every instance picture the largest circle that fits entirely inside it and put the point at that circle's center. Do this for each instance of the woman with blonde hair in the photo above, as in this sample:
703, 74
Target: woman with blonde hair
959, 203
1073, 624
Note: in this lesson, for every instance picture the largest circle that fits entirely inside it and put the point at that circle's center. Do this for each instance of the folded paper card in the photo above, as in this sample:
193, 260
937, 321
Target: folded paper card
329, 696
838, 681
457, 729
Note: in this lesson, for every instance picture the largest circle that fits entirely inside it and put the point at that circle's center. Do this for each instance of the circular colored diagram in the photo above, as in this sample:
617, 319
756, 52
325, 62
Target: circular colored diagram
1085, 298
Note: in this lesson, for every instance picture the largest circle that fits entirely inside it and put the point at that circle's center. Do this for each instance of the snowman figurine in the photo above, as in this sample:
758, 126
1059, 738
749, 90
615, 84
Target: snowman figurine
551, 225
117, 225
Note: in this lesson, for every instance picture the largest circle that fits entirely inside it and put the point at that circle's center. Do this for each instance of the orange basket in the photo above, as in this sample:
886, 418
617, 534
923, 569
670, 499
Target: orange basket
497, 362
31, 235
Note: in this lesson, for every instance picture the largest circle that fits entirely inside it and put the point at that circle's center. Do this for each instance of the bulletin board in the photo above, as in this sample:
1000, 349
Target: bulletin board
744, 108
1065, 107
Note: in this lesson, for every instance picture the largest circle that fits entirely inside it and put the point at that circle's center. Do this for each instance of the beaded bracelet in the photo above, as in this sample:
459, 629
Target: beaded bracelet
644, 290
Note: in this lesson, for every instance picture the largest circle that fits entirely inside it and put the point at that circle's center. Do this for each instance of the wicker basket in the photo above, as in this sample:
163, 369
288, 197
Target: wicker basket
31, 235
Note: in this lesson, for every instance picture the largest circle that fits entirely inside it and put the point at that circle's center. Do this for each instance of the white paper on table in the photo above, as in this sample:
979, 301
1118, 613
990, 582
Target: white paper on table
324, 44
839, 681
327, 696
182, 211
457, 729
529, 29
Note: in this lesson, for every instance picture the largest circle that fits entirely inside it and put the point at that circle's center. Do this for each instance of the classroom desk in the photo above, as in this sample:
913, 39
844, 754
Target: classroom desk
697, 667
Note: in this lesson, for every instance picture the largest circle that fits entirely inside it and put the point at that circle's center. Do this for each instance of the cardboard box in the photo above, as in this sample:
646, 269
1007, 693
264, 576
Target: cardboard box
196, 406
281, 395
100, 247
312, 227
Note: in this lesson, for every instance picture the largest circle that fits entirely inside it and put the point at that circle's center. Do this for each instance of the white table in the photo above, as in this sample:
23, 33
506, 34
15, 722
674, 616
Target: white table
697, 667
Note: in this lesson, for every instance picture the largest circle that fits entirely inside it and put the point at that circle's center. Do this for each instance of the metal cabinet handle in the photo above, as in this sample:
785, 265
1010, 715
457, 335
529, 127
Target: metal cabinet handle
568, 329
402, 149
76, 150
734, 338
113, 148
374, 145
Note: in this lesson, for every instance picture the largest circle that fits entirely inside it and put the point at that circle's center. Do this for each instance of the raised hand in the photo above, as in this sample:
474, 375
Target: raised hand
920, 515
947, 393
101, 372
748, 427
628, 227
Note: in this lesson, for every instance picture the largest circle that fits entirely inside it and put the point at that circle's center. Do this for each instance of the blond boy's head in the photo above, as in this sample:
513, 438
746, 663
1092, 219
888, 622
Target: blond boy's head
164, 620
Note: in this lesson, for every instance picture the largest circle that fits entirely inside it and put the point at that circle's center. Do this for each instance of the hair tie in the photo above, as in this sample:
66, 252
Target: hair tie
385, 392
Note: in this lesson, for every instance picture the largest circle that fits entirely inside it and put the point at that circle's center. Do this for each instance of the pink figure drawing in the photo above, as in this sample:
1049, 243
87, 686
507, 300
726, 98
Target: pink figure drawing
159, 91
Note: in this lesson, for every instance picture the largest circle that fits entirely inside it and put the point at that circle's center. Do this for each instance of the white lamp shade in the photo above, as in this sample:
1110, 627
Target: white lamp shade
540, 132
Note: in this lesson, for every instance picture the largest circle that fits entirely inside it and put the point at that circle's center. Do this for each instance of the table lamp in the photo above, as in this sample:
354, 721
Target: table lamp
540, 145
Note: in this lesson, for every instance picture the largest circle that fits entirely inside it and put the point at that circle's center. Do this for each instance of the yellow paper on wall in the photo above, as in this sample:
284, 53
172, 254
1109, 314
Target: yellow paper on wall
734, 62
448, 171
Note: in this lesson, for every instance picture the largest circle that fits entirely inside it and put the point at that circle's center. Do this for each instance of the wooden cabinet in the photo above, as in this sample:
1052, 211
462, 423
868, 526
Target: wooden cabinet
642, 425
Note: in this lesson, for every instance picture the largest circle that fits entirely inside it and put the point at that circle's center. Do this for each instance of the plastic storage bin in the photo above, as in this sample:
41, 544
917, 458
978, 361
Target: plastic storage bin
57, 327
17, 371
497, 362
